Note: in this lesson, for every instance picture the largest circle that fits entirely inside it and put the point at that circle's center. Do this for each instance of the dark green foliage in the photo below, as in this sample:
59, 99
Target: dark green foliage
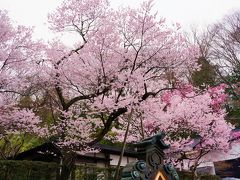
234, 82
206, 76
27, 170
233, 90
36, 170
12, 144
189, 176
93, 173
233, 116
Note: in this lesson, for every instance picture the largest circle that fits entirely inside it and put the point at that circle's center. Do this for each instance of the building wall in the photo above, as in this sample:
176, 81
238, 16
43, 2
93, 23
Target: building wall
113, 160
215, 156
125, 160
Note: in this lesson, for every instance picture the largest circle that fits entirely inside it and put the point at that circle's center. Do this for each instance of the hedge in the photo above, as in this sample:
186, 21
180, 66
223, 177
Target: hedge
183, 175
27, 170
36, 170
92, 173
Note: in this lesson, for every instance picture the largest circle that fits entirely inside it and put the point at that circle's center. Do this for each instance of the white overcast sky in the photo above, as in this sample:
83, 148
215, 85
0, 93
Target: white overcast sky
186, 12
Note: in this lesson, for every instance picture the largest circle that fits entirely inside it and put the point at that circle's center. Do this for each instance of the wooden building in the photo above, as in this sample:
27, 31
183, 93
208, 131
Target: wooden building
108, 156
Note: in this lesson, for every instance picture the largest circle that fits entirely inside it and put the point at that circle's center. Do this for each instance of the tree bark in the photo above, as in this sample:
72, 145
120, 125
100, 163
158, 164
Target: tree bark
116, 177
67, 166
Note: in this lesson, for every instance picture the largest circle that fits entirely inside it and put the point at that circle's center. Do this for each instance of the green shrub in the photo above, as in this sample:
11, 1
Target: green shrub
183, 175
93, 173
27, 170
36, 170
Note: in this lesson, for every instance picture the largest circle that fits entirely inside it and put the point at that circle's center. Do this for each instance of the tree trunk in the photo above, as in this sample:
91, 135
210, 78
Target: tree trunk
195, 175
116, 177
194, 172
67, 166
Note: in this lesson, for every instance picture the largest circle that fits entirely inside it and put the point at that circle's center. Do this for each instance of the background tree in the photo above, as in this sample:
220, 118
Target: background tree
204, 77
219, 47
223, 53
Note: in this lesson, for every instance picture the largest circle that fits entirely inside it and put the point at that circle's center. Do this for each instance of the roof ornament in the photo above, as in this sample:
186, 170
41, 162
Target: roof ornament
150, 164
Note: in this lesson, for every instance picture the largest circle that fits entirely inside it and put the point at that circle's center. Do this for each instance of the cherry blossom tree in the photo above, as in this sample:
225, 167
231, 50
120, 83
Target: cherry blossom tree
17, 53
126, 61
123, 58
192, 120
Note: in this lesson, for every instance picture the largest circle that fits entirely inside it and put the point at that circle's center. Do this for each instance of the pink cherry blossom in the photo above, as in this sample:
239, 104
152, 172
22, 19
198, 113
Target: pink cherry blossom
125, 60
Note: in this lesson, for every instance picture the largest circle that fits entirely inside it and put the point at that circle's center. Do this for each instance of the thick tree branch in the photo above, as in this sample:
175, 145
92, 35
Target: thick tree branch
84, 97
147, 94
61, 98
107, 127
115, 114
